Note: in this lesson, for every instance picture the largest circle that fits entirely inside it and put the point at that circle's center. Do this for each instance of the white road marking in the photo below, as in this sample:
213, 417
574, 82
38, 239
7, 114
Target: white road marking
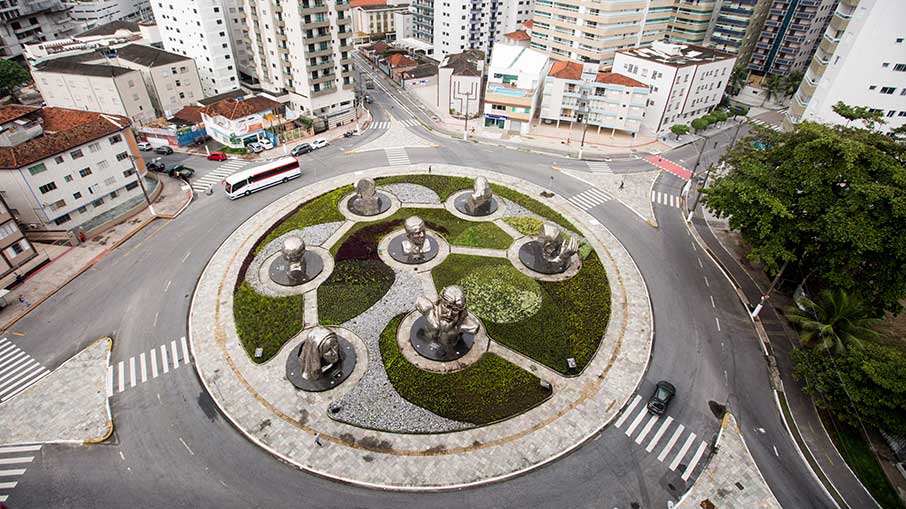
27, 380
12, 472
185, 350
660, 432
121, 376
153, 364
707, 283
186, 446
132, 371
638, 420
167, 287
700, 264
155, 320
646, 429
186, 257
13, 461
163, 358
695, 459
776, 453
717, 321
8, 485
670, 443
122, 456
20, 448
144, 367
712, 302
622, 419
175, 355
109, 381
24, 365
682, 452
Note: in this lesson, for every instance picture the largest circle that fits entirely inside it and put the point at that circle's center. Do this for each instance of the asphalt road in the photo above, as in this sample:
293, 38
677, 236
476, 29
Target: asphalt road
172, 448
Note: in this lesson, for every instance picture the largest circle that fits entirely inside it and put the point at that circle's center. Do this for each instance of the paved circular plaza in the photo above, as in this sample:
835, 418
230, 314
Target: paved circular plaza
363, 431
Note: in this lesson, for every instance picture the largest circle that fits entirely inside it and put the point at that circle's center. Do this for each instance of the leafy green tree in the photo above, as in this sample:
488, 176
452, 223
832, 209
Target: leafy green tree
679, 130
773, 85
828, 198
11, 76
740, 110
867, 383
791, 84
720, 115
738, 79
870, 118
835, 322
699, 124
710, 119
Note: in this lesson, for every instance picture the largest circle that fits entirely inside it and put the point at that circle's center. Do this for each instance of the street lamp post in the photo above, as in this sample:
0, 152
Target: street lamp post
584, 113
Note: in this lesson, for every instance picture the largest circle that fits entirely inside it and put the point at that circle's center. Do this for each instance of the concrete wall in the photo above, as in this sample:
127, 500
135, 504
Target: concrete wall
121, 95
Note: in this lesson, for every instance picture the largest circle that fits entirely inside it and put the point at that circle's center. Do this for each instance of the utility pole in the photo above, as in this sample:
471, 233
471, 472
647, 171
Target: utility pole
584, 130
767, 295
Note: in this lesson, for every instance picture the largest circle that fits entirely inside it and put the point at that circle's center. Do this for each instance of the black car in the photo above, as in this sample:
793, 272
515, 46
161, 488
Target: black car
663, 393
302, 148
180, 171
155, 166
163, 149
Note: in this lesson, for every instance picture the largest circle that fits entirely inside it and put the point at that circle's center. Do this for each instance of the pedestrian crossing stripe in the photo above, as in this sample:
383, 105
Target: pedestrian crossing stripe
598, 167
18, 370
635, 415
384, 124
665, 199
13, 459
397, 156
762, 123
216, 176
589, 198
134, 371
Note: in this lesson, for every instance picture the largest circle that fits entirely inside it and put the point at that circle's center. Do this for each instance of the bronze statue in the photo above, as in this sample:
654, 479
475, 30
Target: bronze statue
366, 201
320, 352
553, 248
479, 200
416, 243
446, 318
294, 253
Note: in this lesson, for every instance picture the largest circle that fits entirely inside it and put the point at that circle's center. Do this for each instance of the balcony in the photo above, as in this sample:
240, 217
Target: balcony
804, 15
844, 11
810, 3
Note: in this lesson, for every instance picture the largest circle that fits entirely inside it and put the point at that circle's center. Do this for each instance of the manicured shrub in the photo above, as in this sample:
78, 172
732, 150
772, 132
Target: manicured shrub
266, 322
526, 225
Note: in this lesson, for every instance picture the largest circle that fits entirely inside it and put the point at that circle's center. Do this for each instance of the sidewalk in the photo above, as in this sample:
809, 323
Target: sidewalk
67, 262
727, 249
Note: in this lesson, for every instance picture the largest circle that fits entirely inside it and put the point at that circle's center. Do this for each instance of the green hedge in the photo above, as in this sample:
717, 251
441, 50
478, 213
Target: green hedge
352, 288
526, 225
487, 391
266, 322
323, 209
570, 323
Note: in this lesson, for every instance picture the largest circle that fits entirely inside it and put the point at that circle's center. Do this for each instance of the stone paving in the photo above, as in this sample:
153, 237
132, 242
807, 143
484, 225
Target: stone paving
731, 479
636, 192
287, 427
68, 405
395, 137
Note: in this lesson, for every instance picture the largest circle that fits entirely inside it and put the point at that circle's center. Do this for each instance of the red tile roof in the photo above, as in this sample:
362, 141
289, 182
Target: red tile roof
361, 3
518, 35
190, 114
400, 60
566, 70
64, 129
528, 24
14, 111
618, 79
237, 108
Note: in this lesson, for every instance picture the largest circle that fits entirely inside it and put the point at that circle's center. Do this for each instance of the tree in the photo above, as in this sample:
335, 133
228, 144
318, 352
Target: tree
862, 384
791, 84
835, 322
828, 198
699, 124
720, 115
772, 86
710, 119
738, 79
870, 118
11, 76
740, 110
679, 130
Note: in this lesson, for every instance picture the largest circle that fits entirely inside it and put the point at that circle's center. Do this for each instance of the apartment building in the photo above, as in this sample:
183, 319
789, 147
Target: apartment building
861, 61
236, 122
737, 25
580, 94
460, 25
375, 19
404, 24
593, 32
91, 13
62, 169
240, 41
791, 32
686, 80
104, 88
692, 21
110, 36
30, 21
172, 80
303, 55
17, 255
423, 20
515, 78
201, 30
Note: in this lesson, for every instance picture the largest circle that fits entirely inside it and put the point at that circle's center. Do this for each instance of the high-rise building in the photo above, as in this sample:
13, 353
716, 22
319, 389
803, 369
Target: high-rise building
30, 21
303, 52
423, 20
200, 29
860, 61
461, 25
692, 21
91, 13
791, 31
737, 25
592, 32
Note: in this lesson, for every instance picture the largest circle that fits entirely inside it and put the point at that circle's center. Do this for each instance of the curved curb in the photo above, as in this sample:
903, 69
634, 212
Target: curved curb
109, 433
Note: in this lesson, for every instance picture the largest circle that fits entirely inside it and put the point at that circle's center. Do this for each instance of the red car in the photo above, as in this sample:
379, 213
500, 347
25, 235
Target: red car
217, 156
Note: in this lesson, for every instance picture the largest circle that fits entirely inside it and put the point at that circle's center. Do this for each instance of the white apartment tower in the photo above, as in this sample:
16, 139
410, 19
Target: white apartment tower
200, 29
861, 61
302, 51
460, 25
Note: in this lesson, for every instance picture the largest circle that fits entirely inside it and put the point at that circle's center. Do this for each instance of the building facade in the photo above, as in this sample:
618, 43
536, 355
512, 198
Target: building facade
686, 81
172, 80
303, 55
403, 24
31, 21
238, 122
791, 32
200, 30
18, 256
375, 19
112, 35
515, 78
579, 94
91, 13
63, 169
692, 21
737, 26
460, 25
861, 61
423, 20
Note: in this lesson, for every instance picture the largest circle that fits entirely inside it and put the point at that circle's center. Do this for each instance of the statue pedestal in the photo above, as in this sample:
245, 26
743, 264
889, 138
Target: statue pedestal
279, 270
435, 351
331, 378
461, 202
530, 254
383, 205
395, 249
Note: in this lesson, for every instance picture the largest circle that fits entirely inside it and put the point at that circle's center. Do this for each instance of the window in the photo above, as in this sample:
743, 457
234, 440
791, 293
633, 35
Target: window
899, 40
121, 156
36, 169
46, 188
899, 67
76, 196
94, 147
83, 209
888, 90
131, 185
102, 164
885, 65
58, 159
7, 229
84, 172
116, 138
58, 221
19, 247
75, 154
128, 173
113, 195
872, 87
97, 203
891, 113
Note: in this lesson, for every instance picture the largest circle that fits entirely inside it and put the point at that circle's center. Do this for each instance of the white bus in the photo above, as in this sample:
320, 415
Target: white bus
248, 181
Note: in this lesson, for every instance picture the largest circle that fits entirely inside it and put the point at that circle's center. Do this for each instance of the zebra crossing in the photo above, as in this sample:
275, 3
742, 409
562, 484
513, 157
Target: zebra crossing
13, 462
598, 167
397, 156
223, 171
409, 122
138, 369
762, 123
18, 370
665, 199
590, 198
682, 460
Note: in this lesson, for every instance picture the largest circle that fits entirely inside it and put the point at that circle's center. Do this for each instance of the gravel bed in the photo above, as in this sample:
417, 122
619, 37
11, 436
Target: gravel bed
374, 403
312, 235
411, 193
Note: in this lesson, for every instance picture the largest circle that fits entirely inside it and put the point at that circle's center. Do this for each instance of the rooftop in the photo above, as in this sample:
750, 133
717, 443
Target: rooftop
518, 59
421, 71
64, 129
238, 108
566, 70
148, 56
528, 24
363, 3
189, 115
618, 79
678, 55
66, 66
14, 111
468, 63
111, 29
518, 35
400, 60
232, 94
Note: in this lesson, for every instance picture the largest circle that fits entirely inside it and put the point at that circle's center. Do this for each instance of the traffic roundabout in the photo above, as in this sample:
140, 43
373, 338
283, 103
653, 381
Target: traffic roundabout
468, 366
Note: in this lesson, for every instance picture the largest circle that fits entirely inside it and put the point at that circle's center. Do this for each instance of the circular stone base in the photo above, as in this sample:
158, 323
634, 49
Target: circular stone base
279, 270
530, 255
435, 351
461, 203
384, 203
395, 248
331, 378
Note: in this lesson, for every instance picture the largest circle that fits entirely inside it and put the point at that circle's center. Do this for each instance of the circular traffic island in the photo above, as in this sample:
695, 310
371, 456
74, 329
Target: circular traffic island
426, 344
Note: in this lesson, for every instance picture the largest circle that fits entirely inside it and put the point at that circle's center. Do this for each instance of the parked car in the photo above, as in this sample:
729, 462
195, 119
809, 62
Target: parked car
255, 147
302, 148
201, 140
155, 165
368, 99
319, 143
144, 146
663, 394
266, 143
369, 85
163, 149
180, 171
217, 156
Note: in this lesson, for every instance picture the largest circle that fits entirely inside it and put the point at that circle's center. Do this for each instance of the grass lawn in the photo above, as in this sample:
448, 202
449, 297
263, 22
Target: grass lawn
485, 392
323, 209
266, 322
526, 225
570, 322
856, 451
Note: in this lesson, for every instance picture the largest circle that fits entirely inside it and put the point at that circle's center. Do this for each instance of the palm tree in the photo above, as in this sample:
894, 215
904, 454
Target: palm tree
738, 79
835, 322
772, 85
791, 84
